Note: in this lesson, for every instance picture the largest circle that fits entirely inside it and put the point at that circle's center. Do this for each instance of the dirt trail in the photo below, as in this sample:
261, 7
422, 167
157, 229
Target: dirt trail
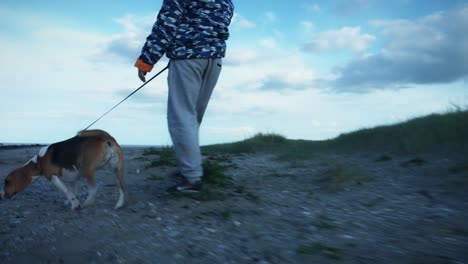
333, 208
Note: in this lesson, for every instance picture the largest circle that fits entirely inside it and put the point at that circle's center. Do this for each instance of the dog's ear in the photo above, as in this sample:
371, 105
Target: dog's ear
22, 182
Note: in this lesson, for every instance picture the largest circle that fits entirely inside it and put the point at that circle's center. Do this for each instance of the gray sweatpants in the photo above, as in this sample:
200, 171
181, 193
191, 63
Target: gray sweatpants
191, 83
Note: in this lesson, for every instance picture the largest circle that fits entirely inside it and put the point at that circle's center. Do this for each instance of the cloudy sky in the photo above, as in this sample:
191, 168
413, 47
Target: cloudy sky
304, 69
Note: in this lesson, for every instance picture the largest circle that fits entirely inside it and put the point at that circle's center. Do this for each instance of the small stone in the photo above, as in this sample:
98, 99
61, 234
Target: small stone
306, 213
211, 230
312, 228
445, 212
173, 233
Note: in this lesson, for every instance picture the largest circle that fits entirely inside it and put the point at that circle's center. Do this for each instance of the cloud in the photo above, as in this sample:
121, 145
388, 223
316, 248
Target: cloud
269, 43
236, 57
431, 50
307, 26
313, 7
143, 97
270, 17
294, 77
238, 22
126, 46
232, 132
352, 7
346, 38
264, 68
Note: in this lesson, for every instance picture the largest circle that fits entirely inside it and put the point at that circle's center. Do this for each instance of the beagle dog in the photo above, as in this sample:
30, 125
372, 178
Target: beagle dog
64, 162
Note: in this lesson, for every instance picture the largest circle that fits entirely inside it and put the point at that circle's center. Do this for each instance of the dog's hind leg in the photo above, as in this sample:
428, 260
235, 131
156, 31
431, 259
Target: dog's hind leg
92, 188
117, 165
121, 186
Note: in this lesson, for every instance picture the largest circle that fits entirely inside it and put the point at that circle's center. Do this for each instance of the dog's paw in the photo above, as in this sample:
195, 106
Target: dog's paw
88, 202
121, 202
118, 206
75, 204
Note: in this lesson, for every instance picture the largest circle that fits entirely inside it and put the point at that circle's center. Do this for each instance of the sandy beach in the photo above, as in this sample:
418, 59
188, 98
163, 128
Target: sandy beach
398, 209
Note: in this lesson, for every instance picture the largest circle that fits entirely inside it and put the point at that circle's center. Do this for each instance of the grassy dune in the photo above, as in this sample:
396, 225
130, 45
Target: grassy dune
436, 132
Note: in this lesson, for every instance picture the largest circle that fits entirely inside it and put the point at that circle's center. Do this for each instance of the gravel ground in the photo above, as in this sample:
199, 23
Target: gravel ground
332, 208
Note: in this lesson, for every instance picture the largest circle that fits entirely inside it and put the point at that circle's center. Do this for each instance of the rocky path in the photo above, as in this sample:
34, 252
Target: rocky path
332, 208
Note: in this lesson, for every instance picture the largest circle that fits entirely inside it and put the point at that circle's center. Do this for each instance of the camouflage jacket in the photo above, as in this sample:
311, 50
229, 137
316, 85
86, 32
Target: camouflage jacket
188, 29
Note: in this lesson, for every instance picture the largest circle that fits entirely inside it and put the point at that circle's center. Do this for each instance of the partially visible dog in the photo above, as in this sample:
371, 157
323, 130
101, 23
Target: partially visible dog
64, 162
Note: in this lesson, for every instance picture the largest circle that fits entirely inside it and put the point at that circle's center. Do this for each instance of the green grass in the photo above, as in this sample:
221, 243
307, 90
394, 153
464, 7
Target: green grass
460, 167
442, 132
459, 174
156, 177
414, 162
446, 132
166, 157
221, 158
259, 142
215, 181
383, 158
252, 197
214, 174
373, 202
226, 215
318, 248
240, 189
159, 151
323, 222
287, 150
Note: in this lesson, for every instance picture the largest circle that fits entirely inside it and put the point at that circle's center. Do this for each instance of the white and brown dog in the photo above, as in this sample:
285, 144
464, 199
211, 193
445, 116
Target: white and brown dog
64, 162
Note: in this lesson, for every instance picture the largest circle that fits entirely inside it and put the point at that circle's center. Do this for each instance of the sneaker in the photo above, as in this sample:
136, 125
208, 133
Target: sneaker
186, 187
177, 176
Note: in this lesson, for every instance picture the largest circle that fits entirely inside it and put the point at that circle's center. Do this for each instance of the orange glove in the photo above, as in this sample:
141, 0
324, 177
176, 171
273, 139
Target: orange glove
143, 68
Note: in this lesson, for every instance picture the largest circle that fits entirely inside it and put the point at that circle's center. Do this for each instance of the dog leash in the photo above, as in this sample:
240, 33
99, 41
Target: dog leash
128, 96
